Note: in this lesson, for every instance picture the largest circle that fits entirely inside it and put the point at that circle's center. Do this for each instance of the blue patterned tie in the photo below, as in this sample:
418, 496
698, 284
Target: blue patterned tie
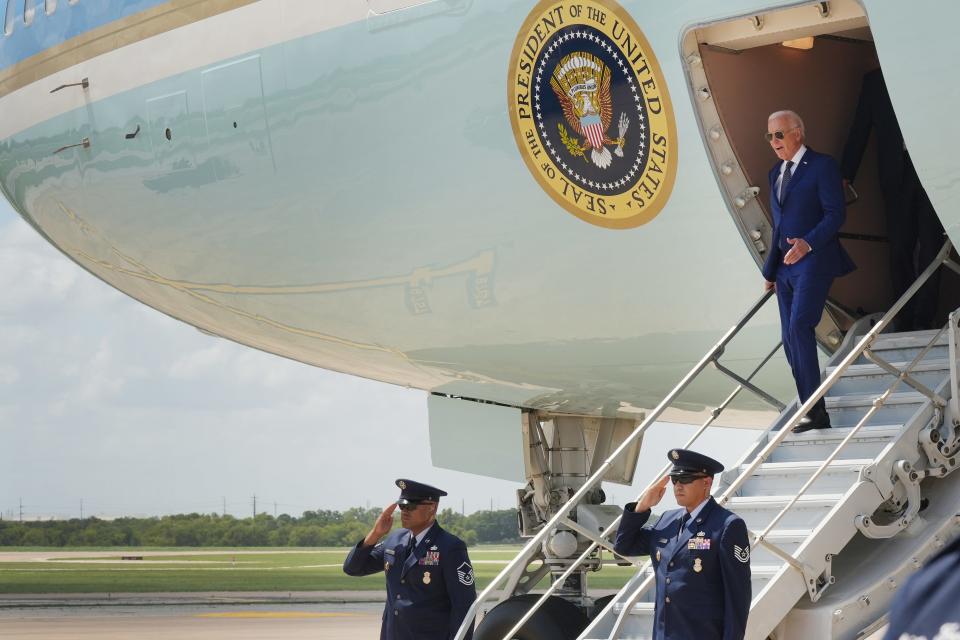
785, 180
683, 521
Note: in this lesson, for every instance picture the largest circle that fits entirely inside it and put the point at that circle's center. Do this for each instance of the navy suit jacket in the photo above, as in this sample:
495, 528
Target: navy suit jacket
926, 606
428, 592
875, 111
812, 209
703, 577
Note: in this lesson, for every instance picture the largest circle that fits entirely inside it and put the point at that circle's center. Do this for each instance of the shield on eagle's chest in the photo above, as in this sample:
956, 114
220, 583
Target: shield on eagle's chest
593, 129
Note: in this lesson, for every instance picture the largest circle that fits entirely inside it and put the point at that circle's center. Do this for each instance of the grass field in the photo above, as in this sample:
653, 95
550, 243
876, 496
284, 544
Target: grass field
221, 570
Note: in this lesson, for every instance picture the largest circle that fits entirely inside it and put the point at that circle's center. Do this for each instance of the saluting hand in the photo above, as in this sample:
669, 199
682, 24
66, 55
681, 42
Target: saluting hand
652, 496
381, 527
799, 249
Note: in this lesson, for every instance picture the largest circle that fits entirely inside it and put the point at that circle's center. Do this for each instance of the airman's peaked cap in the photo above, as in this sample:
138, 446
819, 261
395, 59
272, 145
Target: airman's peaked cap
412, 492
686, 462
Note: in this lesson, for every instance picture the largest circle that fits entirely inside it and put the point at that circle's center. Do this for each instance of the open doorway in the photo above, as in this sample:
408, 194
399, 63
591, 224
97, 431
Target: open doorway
740, 70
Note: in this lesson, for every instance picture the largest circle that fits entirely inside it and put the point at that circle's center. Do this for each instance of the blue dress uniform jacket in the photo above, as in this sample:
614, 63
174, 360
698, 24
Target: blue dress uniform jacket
925, 608
812, 209
702, 572
428, 591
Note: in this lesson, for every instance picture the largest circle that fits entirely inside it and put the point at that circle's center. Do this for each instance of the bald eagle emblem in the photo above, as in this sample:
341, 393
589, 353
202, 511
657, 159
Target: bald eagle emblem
581, 82
402, 485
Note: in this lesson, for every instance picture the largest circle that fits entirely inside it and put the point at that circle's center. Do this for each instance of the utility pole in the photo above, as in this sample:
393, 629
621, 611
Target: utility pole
224, 506
254, 505
491, 504
463, 507
21, 509
81, 508
274, 508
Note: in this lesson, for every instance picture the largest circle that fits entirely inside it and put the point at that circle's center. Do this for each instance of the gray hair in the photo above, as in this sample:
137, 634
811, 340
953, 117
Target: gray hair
793, 116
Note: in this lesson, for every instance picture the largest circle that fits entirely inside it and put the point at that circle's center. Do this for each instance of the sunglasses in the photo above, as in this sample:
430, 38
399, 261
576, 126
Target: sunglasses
412, 506
778, 134
686, 478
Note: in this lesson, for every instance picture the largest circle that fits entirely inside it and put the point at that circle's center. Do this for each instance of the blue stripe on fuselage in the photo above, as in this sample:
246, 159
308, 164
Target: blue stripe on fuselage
68, 21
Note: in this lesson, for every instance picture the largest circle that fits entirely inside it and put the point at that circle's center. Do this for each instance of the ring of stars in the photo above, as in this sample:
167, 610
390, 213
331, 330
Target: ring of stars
638, 102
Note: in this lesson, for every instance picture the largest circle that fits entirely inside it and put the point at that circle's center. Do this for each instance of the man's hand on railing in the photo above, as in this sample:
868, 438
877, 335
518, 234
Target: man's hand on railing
769, 286
652, 496
381, 527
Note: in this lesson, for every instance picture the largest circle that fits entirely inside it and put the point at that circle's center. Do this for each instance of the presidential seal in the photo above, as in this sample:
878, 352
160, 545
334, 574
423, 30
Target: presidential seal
591, 114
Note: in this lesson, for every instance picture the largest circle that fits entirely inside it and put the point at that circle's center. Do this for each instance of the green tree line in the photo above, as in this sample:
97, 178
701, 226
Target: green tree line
321, 528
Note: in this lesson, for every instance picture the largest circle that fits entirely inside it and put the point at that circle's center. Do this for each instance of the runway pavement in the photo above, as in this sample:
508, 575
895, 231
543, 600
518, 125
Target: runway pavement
261, 622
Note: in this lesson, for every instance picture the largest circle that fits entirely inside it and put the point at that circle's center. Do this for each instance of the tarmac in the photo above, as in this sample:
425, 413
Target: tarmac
209, 616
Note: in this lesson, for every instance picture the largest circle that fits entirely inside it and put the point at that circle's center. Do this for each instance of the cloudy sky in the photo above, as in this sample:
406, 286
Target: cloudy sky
105, 401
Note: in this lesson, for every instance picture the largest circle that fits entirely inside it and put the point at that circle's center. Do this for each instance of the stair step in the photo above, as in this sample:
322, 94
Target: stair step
898, 408
783, 478
788, 540
759, 511
817, 444
905, 346
808, 466
882, 432
934, 364
770, 502
871, 378
908, 339
866, 400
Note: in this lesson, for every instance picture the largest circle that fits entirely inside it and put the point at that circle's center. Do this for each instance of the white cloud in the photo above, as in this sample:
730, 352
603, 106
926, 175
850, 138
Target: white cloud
200, 362
31, 271
8, 374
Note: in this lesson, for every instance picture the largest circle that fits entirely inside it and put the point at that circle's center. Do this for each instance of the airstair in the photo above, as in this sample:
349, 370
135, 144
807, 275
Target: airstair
838, 518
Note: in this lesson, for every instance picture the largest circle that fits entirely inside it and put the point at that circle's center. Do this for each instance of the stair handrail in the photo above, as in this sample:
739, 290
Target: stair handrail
715, 352
837, 373
600, 540
941, 259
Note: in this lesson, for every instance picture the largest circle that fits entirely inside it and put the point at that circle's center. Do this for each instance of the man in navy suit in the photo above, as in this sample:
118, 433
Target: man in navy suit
913, 228
700, 554
806, 196
925, 608
429, 575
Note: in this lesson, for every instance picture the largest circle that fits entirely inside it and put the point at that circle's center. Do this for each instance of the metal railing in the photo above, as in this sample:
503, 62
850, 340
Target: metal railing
861, 348
561, 517
712, 358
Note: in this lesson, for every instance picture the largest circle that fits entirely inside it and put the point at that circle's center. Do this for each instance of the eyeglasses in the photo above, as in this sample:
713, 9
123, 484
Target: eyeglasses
778, 134
686, 478
411, 506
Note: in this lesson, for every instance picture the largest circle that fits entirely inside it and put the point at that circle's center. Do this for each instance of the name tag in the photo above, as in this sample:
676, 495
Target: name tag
699, 543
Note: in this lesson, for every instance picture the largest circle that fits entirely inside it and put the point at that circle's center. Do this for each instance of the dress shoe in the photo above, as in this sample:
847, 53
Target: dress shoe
808, 424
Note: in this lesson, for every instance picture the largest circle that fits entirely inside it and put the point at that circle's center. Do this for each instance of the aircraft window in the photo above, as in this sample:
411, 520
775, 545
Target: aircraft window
49, 6
29, 9
9, 16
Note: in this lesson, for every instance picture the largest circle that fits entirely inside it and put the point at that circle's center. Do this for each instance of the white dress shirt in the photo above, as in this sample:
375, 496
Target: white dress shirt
783, 167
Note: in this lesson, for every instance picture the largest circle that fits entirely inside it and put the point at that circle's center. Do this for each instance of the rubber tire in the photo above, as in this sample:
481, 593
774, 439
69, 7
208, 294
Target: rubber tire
600, 604
557, 619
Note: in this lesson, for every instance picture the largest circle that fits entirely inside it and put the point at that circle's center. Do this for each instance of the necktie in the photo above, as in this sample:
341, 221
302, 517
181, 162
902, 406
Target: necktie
411, 544
785, 180
683, 522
